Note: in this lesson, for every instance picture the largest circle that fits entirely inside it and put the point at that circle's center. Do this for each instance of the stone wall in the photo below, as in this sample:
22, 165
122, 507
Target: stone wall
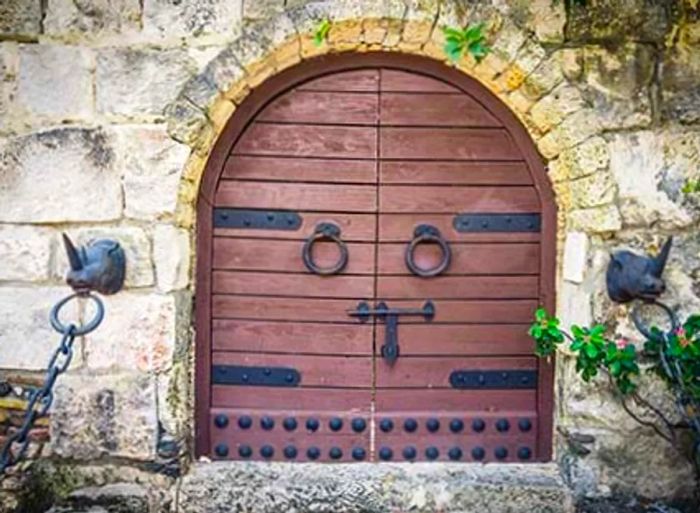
108, 110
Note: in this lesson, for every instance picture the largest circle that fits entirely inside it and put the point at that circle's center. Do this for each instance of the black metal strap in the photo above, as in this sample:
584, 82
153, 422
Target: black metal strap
256, 219
493, 379
480, 223
255, 376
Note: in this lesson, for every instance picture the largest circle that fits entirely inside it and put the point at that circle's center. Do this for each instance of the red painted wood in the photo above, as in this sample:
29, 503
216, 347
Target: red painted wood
454, 287
276, 308
396, 80
454, 173
398, 399
473, 311
447, 143
292, 285
293, 169
441, 199
323, 108
366, 80
416, 109
282, 398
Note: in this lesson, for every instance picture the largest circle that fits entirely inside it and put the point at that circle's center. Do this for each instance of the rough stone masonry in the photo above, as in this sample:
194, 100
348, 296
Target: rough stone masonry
108, 111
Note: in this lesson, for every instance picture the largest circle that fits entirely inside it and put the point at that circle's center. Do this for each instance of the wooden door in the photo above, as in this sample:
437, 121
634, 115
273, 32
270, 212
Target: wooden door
376, 147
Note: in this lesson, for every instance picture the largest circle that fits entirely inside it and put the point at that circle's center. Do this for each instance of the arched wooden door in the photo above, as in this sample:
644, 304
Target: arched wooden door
416, 347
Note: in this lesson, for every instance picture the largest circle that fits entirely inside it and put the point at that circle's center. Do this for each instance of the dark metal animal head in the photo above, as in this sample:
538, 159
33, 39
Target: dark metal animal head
99, 266
631, 276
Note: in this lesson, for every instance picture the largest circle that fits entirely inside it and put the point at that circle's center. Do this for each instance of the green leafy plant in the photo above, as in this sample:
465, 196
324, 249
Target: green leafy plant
321, 32
470, 39
691, 186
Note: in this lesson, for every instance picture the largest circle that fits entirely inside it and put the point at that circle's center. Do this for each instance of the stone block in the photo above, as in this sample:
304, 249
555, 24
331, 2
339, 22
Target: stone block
593, 190
603, 219
589, 157
104, 415
92, 18
186, 123
25, 253
679, 83
55, 81
579, 126
61, 175
9, 67
20, 18
575, 256
551, 110
151, 164
573, 306
262, 9
138, 333
547, 20
168, 18
28, 340
171, 252
140, 82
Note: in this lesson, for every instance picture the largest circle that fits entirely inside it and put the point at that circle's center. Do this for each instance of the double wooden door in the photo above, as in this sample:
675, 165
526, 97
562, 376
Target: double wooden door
376, 258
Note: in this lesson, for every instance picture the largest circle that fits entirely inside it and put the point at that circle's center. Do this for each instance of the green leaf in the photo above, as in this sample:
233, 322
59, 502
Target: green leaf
615, 368
540, 314
321, 32
577, 331
591, 350
474, 32
453, 33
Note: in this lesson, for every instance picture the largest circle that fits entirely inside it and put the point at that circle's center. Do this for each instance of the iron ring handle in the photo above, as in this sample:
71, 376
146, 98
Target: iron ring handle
428, 233
643, 328
325, 231
83, 329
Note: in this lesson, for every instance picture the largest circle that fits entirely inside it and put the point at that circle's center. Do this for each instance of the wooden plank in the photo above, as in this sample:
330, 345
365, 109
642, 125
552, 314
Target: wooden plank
280, 398
360, 80
319, 371
445, 199
240, 167
297, 196
285, 256
323, 108
454, 400
395, 80
447, 143
419, 109
287, 337
308, 141
468, 340
478, 259
454, 173
453, 287
354, 228
281, 309
472, 312
400, 228
294, 285
434, 372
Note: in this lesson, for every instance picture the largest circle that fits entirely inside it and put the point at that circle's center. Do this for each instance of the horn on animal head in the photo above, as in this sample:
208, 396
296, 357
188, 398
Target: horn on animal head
659, 262
73, 257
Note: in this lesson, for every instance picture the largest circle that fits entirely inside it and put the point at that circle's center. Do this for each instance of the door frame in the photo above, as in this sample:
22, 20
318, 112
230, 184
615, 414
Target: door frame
330, 64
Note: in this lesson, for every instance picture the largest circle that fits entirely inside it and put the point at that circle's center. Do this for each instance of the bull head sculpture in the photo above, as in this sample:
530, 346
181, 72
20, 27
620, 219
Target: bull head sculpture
631, 276
99, 266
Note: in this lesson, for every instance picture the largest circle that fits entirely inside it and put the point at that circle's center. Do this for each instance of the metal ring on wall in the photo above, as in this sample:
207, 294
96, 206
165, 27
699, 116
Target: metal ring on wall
325, 232
83, 329
426, 233
643, 328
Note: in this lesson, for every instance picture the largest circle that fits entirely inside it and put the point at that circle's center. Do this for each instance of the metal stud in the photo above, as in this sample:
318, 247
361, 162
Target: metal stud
385, 453
524, 425
478, 425
478, 453
221, 450
455, 453
267, 423
409, 452
524, 453
410, 425
267, 451
432, 453
502, 425
312, 424
358, 425
336, 424
500, 452
290, 423
456, 425
358, 454
221, 421
335, 453
386, 425
245, 422
313, 453
432, 425
245, 451
290, 452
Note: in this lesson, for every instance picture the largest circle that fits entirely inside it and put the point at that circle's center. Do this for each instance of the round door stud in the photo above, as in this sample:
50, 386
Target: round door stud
455, 453
478, 425
385, 453
502, 425
358, 454
358, 425
478, 453
245, 422
410, 425
290, 452
432, 453
336, 424
312, 424
524, 425
409, 452
245, 451
267, 451
289, 424
267, 423
432, 425
221, 421
524, 453
335, 453
221, 450
456, 425
500, 452
313, 453
386, 425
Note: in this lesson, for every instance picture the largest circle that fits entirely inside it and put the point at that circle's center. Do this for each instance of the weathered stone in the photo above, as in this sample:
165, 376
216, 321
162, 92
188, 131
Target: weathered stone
138, 333
167, 18
171, 252
9, 68
186, 123
151, 166
134, 83
117, 498
593, 190
596, 220
20, 18
92, 17
547, 19
136, 245
261, 9
575, 256
573, 306
556, 106
679, 84
25, 253
543, 79
575, 129
47, 86
371, 488
587, 158
28, 340
104, 415
64, 174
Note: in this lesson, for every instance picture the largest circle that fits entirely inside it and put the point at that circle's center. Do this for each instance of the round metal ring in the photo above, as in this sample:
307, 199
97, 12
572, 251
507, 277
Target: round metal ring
83, 329
426, 233
325, 231
642, 326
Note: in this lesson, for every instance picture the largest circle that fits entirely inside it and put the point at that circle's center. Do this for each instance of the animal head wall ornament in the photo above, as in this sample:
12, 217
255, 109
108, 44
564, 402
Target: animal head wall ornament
631, 276
99, 266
